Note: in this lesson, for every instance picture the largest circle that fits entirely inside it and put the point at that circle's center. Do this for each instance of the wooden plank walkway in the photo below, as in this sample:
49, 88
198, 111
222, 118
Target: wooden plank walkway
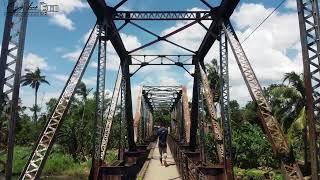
157, 172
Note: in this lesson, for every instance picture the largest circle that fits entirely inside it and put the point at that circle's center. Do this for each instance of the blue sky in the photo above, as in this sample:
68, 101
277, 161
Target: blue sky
54, 42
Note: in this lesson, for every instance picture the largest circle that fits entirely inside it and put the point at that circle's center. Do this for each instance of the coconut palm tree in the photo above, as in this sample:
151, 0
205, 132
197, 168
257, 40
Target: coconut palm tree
34, 79
288, 103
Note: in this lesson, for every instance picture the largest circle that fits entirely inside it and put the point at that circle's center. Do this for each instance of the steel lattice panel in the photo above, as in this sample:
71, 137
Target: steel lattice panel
10, 74
308, 12
109, 114
41, 151
273, 130
100, 105
213, 115
224, 102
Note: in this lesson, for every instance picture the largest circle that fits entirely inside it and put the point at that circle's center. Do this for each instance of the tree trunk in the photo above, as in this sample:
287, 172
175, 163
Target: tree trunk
305, 143
35, 105
82, 124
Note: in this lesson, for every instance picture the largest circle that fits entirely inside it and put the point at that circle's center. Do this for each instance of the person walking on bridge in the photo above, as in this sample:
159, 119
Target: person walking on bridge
162, 134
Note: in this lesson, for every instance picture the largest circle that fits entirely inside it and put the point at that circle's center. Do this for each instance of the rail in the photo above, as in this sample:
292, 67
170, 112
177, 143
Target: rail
186, 167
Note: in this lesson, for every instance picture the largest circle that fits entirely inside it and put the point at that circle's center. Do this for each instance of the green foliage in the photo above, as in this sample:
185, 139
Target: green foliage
214, 78
58, 162
235, 112
72, 153
112, 155
250, 113
160, 116
256, 174
251, 148
210, 147
21, 155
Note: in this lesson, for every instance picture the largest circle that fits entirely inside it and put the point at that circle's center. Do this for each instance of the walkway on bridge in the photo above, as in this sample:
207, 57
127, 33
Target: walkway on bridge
157, 172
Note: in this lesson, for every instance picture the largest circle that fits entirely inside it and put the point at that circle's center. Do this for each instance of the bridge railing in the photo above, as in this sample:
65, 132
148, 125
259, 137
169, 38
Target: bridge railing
186, 167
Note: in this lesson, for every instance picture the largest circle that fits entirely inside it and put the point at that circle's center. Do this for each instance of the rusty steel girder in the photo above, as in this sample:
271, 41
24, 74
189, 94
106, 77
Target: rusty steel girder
10, 75
213, 115
308, 13
44, 144
272, 128
137, 116
186, 113
109, 114
100, 102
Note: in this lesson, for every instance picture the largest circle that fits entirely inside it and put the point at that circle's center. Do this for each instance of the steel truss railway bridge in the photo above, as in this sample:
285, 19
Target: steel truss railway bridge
173, 99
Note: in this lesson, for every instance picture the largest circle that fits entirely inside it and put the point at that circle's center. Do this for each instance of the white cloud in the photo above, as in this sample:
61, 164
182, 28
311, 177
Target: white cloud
168, 81
130, 41
63, 21
90, 81
61, 77
291, 4
249, 14
33, 61
113, 59
65, 8
267, 48
86, 36
72, 56
68, 6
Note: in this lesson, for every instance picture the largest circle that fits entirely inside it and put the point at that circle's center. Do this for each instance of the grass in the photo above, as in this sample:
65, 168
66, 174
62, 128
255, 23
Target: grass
256, 174
58, 163
61, 164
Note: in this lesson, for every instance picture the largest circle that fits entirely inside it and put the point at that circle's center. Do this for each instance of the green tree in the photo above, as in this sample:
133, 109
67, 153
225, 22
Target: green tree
288, 104
296, 82
34, 79
235, 113
214, 78
250, 113
251, 147
82, 91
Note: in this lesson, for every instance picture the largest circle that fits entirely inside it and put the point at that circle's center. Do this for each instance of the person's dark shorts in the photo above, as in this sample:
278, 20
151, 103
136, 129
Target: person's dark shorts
162, 150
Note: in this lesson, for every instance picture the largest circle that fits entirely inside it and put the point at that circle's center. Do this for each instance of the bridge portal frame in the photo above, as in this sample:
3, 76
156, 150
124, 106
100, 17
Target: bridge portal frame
104, 13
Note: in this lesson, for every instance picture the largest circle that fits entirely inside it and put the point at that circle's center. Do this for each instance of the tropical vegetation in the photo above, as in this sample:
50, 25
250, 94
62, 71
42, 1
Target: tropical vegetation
252, 153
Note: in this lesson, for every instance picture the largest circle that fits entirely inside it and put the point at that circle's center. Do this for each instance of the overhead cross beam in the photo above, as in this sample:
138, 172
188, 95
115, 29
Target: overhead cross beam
164, 15
159, 60
161, 97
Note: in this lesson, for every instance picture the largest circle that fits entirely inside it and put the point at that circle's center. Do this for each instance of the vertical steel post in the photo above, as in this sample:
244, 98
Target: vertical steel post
100, 105
10, 71
224, 104
195, 108
128, 103
201, 127
308, 13
141, 123
121, 145
145, 120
